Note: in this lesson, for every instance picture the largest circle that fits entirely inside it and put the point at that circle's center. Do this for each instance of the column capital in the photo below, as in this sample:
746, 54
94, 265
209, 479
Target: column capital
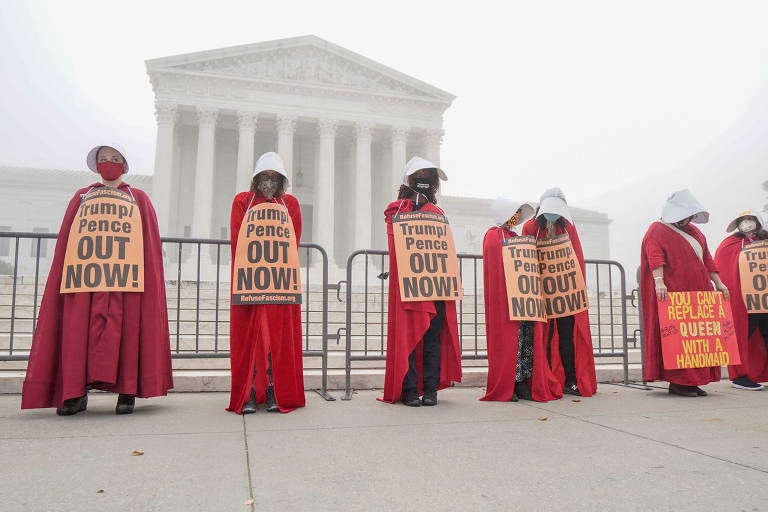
327, 127
398, 133
165, 112
286, 123
364, 129
247, 120
434, 136
207, 115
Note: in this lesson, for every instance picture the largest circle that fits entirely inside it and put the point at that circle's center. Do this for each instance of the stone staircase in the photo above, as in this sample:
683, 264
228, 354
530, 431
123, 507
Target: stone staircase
199, 322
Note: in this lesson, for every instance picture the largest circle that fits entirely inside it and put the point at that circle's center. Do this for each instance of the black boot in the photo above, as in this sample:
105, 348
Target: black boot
249, 407
429, 398
411, 398
522, 390
125, 404
680, 390
271, 405
73, 406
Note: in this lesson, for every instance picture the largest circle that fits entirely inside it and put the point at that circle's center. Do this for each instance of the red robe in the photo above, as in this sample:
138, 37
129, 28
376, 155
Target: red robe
683, 271
584, 357
501, 333
111, 341
754, 359
409, 321
255, 331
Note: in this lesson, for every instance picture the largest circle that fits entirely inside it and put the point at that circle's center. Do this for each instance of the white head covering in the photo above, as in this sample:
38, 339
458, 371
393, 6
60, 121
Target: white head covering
553, 201
681, 205
503, 208
416, 164
271, 161
746, 213
90, 160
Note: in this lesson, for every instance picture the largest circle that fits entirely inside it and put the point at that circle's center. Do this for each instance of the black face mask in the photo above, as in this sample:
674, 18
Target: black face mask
423, 185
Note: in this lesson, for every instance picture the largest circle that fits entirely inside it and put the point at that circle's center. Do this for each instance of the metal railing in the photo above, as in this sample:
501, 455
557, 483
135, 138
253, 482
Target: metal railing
197, 290
365, 329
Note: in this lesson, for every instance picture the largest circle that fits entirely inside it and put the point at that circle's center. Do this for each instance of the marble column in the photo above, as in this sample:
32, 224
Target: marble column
246, 122
203, 197
432, 140
399, 137
163, 177
363, 186
286, 127
324, 215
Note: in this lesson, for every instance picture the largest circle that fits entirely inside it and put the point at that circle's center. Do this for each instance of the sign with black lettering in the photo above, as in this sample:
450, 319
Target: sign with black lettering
105, 246
266, 269
523, 280
753, 274
427, 264
562, 281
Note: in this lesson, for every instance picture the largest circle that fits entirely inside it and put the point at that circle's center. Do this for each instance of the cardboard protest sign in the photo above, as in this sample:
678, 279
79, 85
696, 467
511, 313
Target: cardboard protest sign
562, 281
105, 246
266, 269
427, 264
523, 280
697, 331
753, 273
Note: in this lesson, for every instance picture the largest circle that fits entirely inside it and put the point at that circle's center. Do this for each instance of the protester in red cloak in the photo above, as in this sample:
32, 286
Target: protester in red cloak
751, 328
675, 258
568, 339
423, 351
111, 341
516, 368
265, 340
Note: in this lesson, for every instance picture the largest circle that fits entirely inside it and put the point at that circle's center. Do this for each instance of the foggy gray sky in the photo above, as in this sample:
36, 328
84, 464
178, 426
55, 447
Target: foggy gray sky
604, 99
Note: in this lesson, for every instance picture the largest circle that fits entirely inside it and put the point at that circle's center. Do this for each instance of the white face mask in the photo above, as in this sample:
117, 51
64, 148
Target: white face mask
747, 226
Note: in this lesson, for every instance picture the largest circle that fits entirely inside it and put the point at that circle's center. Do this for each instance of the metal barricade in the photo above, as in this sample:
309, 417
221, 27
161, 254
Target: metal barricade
197, 294
366, 310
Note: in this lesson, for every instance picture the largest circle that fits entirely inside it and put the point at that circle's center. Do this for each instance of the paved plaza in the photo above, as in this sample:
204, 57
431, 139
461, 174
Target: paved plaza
624, 449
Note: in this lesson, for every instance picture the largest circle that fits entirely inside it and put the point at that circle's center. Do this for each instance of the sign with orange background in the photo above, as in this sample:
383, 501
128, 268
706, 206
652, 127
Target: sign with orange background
266, 267
562, 281
427, 264
523, 280
105, 245
753, 273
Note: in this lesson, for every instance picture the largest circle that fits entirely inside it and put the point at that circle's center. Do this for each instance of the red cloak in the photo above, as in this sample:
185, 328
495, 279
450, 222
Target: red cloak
683, 271
409, 321
584, 357
255, 331
111, 341
754, 359
501, 333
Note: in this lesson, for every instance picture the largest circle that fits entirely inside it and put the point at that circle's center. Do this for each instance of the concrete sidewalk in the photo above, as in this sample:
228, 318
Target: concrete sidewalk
624, 449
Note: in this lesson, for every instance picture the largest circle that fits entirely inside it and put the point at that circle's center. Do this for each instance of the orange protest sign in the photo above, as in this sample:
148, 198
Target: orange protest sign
753, 273
697, 331
521, 273
562, 281
266, 269
105, 246
427, 264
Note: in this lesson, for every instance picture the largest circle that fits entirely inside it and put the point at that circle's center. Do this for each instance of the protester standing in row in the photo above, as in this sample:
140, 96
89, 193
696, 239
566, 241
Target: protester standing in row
114, 341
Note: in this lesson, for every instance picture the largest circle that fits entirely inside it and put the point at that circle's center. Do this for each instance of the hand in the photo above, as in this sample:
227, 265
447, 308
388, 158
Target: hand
661, 289
722, 288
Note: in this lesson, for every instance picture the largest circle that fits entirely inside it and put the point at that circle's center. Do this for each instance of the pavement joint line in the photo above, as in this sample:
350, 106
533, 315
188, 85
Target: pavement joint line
248, 466
127, 434
659, 441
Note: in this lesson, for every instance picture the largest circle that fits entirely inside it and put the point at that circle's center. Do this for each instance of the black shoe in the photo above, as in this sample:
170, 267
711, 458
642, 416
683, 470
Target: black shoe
271, 405
249, 407
571, 389
699, 391
745, 382
411, 398
73, 406
523, 391
125, 404
514, 398
680, 390
429, 398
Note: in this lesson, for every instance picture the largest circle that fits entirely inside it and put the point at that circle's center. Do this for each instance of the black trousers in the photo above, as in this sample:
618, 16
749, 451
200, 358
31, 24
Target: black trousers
431, 359
758, 321
567, 356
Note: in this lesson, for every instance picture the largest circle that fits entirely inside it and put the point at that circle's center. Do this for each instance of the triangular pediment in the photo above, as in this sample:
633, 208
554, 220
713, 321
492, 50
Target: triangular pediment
305, 60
